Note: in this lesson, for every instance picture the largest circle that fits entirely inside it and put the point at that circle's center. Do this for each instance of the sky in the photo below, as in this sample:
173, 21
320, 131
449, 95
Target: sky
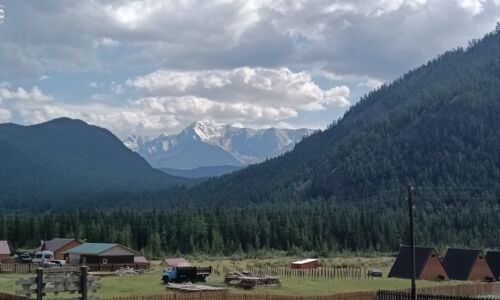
156, 66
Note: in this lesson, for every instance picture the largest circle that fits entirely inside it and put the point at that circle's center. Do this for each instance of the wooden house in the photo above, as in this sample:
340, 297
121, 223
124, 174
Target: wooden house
4, 252
309, 263
467, 264
59, 246
428, 265
493, 260
101, 254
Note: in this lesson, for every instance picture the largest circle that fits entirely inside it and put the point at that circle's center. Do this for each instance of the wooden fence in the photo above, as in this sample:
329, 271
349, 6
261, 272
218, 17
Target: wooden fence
229, 296
340, 272
395, 295
4, 296
471, 291
463, 290
18, 268
31, 268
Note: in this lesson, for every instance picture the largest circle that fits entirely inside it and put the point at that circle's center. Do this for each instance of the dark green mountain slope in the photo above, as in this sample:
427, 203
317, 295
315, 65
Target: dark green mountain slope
437, 125
64, 156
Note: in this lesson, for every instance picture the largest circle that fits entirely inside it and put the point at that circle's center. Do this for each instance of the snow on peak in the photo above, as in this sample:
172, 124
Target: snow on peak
206, 143
208, 131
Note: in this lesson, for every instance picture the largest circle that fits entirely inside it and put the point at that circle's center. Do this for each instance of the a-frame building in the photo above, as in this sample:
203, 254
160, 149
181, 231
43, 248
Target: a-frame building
428, 265
467, 264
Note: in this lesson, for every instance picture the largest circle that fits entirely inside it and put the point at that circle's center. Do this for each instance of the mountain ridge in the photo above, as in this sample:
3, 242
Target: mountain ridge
65, 156
207, 144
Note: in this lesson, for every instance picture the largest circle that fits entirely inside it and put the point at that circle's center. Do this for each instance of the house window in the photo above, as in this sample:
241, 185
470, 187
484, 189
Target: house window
104, 261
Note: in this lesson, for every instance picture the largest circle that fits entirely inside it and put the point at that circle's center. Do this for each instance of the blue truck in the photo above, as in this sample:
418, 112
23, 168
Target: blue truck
186, 274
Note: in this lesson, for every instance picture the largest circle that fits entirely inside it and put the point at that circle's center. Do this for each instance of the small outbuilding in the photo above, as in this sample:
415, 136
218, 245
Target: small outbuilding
493, 260
101, 254
467, 264
141, 262
175, 262
309, 263
4, 252
59, 246
428, 265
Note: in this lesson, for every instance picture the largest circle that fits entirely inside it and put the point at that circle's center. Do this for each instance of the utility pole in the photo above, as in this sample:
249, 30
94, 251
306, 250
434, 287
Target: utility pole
412, 244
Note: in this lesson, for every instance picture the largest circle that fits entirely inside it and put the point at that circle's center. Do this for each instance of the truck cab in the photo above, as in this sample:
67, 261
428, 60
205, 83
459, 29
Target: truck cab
170, 275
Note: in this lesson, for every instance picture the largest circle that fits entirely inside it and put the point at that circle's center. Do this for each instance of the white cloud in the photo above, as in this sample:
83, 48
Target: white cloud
257, 86
194, 108
2, 14
21, 94
474, 7
106, 42
229, 34
371, 83
170, 100
5, 115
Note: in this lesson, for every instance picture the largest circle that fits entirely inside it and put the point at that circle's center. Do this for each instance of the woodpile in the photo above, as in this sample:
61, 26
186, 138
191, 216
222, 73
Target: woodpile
248, 280
127, 271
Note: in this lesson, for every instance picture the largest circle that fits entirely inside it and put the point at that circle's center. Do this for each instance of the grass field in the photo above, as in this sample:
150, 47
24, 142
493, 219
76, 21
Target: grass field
150, 283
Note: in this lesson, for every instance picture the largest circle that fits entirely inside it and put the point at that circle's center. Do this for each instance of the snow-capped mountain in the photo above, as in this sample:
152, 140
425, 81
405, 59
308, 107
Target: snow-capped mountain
206, 144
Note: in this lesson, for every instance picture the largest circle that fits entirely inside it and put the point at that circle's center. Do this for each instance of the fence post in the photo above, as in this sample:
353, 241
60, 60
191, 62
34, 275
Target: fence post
39, 284
84, 282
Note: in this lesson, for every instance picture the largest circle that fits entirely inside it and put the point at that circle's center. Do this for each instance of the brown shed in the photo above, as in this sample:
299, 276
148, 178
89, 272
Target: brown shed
4, 251
309, 263
428, 265
467, 264
175, 262
59, 246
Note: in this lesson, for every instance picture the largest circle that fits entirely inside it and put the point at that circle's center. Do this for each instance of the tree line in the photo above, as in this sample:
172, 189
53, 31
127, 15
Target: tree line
318, 227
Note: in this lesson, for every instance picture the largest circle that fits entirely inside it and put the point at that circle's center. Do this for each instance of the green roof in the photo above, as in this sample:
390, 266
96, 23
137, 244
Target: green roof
91, 248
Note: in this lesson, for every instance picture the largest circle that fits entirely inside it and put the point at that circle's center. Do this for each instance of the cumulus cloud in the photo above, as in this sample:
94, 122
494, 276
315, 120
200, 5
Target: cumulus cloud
117, 120
193, 108
229, 34
20, 94
5, 115
474, 7
169, 100
271, 88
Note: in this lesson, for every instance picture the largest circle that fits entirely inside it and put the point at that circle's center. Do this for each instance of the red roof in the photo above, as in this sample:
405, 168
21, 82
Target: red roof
4, 248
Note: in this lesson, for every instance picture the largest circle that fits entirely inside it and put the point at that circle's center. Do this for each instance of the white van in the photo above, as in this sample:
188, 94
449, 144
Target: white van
43, 257
46, 258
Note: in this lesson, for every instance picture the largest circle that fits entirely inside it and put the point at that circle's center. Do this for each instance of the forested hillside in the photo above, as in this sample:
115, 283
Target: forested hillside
42, 164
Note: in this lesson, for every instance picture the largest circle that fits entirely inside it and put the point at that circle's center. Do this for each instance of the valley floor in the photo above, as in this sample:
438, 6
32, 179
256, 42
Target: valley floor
150, 283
